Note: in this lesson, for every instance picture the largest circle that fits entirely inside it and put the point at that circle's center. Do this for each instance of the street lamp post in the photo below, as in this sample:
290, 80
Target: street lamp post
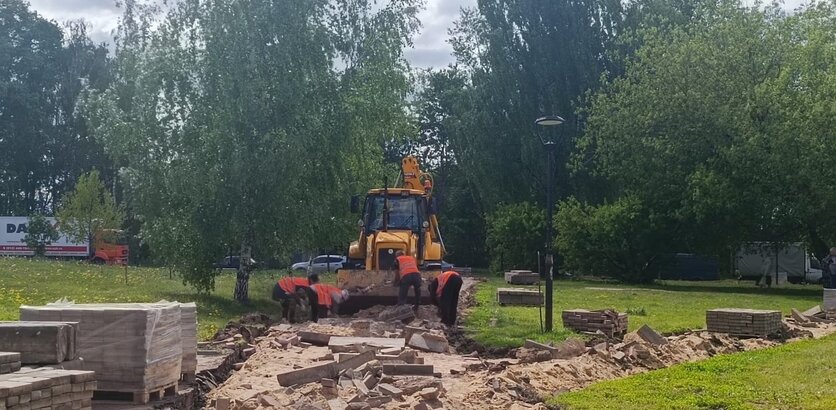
549, 145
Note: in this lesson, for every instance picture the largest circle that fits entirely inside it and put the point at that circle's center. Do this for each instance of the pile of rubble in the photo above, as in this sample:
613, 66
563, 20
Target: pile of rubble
334, 367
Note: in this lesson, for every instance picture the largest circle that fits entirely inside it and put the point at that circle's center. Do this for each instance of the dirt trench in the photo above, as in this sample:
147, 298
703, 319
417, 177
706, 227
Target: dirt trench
466, 377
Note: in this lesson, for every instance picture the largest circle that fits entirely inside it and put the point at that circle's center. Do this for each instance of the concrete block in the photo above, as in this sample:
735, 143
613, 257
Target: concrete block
429, 342
408, 369
519, 296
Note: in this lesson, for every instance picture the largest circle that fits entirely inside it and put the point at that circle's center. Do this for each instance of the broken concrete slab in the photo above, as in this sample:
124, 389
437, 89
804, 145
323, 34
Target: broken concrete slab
429, 342
408, 369
344, 344
40, 342
402, 313
389, 390
815, 310
430, 393
651, 336
336, 404
531, 344
323, 371
569, 348
315, 338
798, 316
361, 387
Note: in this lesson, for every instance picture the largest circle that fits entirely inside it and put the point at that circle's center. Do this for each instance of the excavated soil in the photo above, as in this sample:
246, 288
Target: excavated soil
520, 381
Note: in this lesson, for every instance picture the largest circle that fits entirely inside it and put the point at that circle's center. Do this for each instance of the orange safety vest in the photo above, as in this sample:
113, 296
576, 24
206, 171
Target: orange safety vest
407, 265
442, 280
289, 284
323, 293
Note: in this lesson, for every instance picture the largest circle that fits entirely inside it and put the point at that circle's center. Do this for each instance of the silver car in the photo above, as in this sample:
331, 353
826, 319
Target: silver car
320, 264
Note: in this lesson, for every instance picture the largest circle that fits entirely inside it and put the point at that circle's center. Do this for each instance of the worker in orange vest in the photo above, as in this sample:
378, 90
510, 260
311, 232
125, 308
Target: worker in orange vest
328, 298
444, 291
291, 289
407, 276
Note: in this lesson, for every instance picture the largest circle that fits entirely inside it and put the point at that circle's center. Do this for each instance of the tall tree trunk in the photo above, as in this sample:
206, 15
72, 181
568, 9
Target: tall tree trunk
242, 283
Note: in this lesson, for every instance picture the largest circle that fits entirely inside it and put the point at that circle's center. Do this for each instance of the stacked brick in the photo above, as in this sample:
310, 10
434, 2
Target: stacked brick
9, 362
133, 348
40, 342
34, 389
519, 296
188, 335
522, 277
743, 322
829, 300
608, 321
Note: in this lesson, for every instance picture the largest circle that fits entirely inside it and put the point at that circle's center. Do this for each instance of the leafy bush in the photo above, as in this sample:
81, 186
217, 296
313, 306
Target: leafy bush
39, 234
618, 239
514, 234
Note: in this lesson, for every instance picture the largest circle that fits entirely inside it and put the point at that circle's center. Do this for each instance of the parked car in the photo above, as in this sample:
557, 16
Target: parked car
320, 264
232, 262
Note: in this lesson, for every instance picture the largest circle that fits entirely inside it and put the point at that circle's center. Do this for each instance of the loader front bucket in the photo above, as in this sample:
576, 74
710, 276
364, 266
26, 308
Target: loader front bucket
371, 288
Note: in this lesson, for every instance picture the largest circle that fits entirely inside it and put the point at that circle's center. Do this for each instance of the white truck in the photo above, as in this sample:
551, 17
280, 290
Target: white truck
792, 261
13, 229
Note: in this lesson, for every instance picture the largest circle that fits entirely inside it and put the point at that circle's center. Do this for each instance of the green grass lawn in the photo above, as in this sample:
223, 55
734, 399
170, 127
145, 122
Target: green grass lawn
31, 282
666, 306
798, 375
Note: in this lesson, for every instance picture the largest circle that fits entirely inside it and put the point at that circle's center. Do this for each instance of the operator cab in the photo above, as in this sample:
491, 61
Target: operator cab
404, 212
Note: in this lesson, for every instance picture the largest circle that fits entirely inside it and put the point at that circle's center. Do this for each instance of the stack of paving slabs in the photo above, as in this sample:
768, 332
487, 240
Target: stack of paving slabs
743, 322
40, 342
188, 335
829, 300
47, 389
608, 321
9, 362
522, 277
133, 348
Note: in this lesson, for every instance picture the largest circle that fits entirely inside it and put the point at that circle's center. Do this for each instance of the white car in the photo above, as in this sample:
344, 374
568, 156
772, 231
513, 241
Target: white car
320, 264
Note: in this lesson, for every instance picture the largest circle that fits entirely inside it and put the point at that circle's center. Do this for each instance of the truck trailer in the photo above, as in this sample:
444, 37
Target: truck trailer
109, 245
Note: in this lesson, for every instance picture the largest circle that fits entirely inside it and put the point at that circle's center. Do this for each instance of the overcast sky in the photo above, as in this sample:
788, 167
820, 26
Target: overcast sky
431, 49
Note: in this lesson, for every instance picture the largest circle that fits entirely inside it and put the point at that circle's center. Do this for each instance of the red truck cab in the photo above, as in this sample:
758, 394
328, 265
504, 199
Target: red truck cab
110, 246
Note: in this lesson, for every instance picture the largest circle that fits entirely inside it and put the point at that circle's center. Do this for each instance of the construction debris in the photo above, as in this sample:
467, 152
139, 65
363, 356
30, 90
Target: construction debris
403, 313
651, 336
327, 370
429, 342
314, 338
519, 296
744, 322
409, 369
343, 344
607, 321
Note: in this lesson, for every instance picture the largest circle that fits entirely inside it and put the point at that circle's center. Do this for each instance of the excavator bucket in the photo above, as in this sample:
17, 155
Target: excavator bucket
368, 288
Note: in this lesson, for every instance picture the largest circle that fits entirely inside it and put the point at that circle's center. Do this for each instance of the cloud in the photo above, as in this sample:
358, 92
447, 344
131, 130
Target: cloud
431, 47
102, 16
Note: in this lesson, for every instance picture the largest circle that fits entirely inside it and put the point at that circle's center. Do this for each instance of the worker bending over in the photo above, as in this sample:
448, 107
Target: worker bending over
328, 298
408, 276
444, 291
289, 291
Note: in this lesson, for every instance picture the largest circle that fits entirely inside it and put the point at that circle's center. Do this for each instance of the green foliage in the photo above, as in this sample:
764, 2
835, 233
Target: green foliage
236, 129
514, 234
794, 375
40, 233
719, 128
619, 239
44, 144
668, 306
38, 282
87, 209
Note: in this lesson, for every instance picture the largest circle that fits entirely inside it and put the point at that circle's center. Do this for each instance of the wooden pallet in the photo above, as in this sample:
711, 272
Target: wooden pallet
137, 397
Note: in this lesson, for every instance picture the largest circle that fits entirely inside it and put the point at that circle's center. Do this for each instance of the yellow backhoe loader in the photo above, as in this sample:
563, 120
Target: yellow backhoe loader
393, 219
